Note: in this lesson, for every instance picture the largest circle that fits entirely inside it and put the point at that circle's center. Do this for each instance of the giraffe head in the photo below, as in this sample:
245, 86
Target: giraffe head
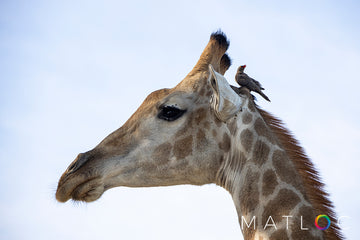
177, 136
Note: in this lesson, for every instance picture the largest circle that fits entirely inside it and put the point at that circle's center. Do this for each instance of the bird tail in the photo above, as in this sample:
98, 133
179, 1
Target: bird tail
264, 96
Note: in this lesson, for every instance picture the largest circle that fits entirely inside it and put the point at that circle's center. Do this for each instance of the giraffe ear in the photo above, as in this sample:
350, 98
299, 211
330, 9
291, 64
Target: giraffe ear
224, 101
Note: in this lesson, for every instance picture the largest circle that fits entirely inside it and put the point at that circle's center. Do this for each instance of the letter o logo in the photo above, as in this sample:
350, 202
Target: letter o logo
317, 222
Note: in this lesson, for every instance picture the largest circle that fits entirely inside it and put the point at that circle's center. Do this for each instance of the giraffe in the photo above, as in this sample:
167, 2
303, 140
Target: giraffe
206, 131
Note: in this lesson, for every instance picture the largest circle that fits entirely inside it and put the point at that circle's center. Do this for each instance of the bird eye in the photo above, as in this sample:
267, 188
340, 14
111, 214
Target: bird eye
170, 113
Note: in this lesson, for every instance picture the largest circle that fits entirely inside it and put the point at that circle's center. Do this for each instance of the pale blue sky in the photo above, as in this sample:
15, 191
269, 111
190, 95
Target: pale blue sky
73, 71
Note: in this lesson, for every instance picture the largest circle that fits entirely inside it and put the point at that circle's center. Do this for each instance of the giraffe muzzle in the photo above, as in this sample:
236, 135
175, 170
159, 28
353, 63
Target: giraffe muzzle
81, 183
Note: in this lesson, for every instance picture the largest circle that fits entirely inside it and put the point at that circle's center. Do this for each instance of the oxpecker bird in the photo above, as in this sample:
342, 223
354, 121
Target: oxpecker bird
245, 81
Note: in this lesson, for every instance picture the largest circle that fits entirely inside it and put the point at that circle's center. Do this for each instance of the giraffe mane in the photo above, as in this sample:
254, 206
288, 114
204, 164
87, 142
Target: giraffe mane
310, 176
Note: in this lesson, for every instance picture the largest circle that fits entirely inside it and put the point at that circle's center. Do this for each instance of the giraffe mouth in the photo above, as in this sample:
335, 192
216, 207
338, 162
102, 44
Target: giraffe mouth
78, 188
88, 191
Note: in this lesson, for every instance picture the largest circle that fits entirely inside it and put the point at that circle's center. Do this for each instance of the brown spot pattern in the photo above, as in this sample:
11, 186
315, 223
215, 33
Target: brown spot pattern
308, 216
285, 201
246, 139
184, 130
225, 143
249, 194
285, 169
190, 120
181, 164
269, 182
161, 154
206, 125
311, 185
200, 139
149, 166
261, 152
262, 130
183, 147
200, 115
246, 118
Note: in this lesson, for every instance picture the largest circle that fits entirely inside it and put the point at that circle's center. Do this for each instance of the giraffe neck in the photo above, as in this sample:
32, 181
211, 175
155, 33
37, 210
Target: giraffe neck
266, 188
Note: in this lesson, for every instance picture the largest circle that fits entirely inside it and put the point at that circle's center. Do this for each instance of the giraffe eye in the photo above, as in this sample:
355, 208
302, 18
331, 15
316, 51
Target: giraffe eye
170, 113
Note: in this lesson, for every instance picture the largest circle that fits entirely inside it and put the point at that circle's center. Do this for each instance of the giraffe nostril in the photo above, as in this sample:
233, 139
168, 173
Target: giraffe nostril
72, 167
76, 164
82, 159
